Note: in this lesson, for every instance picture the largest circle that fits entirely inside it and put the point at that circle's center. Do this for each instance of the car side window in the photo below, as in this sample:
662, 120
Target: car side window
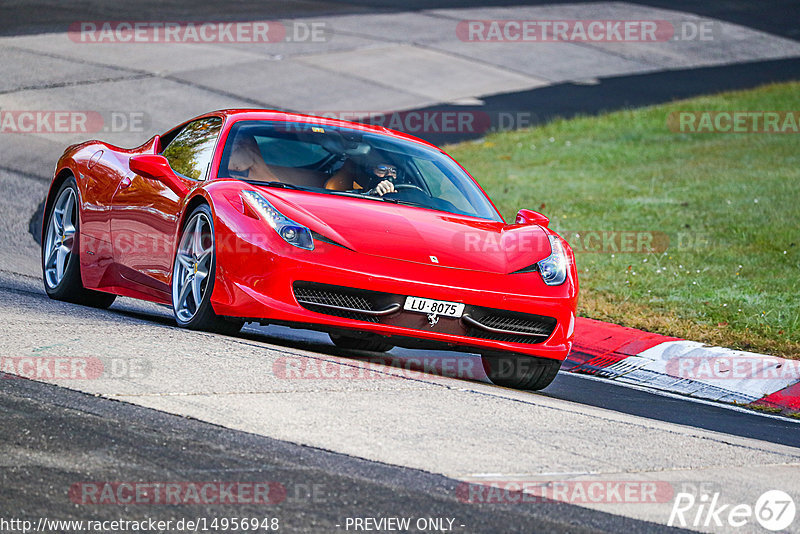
190, 152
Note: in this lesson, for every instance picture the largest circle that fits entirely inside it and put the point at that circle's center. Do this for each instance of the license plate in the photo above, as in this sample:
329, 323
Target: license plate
436, 307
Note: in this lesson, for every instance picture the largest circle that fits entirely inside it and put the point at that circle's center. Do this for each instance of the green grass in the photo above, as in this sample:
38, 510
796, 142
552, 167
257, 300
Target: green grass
730, 204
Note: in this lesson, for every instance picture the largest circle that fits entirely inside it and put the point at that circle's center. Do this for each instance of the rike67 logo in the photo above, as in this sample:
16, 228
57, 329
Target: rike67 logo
774, 510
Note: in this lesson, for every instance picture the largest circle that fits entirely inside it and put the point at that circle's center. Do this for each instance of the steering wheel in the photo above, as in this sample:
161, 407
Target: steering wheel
399, 187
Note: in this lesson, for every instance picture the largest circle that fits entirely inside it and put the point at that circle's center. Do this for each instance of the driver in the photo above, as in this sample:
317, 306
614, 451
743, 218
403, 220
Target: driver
385, 175
380, 177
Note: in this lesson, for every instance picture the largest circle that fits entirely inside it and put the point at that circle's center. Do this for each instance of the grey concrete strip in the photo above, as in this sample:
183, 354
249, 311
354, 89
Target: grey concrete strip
22, 70
554, 62
196, 366
412, 59
152, 100
330, 40
155, 58
445, 430
303, 85
417, 27
56, 16
433, 75
728, 43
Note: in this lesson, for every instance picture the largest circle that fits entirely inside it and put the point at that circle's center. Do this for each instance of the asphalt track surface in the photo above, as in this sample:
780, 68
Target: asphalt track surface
60, 437
54, 436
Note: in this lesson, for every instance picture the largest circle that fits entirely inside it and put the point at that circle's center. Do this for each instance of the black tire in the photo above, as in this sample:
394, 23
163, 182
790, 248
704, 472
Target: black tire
520, 372
62, 232
187, 314
371, 343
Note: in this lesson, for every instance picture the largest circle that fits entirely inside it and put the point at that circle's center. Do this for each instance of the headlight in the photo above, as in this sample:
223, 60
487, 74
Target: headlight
293, 233
554, 267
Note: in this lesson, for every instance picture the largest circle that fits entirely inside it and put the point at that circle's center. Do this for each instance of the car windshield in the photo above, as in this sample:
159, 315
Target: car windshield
343, 161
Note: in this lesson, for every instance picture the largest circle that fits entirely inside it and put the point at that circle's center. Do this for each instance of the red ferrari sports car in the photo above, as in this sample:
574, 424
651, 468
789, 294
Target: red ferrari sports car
373, 236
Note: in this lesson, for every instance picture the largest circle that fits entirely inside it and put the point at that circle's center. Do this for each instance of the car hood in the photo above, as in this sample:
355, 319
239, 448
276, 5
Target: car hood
415, 234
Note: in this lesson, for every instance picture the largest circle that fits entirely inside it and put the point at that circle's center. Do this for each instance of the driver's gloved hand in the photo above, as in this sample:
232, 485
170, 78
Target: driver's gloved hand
382, 188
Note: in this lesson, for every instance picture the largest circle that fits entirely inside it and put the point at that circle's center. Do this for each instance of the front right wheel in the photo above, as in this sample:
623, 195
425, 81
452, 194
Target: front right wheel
520, 372
193, 277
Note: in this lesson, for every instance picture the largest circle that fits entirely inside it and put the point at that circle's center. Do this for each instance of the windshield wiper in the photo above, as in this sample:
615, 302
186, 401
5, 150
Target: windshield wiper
406, 202
353, 195
283, 185
380, 198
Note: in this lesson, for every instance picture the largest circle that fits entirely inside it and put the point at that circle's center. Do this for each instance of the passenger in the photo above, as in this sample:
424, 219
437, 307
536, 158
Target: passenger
246, 160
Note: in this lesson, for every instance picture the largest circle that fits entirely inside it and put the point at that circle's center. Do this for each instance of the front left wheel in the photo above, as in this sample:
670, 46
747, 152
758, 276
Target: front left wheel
193, 276
61, 266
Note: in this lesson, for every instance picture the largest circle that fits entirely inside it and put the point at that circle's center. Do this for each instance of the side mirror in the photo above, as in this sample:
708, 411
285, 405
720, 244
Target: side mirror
156, 167
532, 217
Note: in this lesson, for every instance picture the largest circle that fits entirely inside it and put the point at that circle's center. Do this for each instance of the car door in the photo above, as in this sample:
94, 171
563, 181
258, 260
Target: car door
145, 211
101, 177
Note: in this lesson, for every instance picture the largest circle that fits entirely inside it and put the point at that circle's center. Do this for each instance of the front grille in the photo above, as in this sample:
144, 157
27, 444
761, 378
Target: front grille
387, 308
309, 298
538, 325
